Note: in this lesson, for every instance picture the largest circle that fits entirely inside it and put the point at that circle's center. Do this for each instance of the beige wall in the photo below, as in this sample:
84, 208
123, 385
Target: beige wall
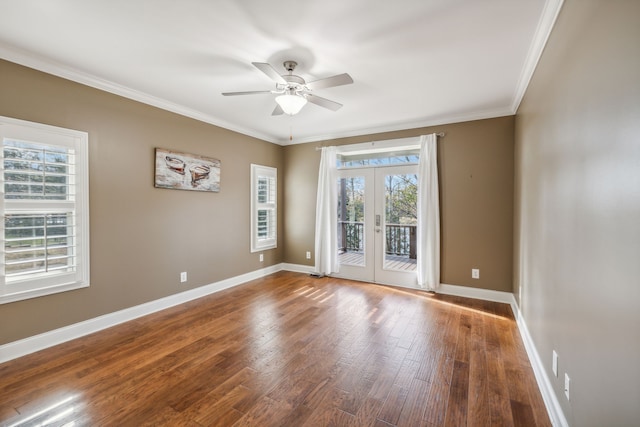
141, 237
476, 190
577, 250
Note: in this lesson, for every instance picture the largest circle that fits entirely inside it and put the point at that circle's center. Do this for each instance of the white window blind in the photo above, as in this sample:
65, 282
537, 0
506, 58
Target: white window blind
38, 243
264, 208
44, 208
38, 172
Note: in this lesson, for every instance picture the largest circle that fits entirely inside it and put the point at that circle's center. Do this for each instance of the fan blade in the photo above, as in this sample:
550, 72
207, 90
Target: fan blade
339, 80
251, 92
278, 111
270, 72
323, 102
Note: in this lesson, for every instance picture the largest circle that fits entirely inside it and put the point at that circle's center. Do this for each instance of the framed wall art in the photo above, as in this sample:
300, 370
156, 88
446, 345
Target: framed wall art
181, 171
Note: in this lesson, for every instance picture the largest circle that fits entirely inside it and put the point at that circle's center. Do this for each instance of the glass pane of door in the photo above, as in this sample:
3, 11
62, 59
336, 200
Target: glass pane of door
400, 213
351, 236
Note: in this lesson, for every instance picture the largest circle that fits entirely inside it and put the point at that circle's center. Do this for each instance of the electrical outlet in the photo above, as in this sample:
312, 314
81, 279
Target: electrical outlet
261, 257
308, 254
475, 273
183, 277
554, 363
567, 381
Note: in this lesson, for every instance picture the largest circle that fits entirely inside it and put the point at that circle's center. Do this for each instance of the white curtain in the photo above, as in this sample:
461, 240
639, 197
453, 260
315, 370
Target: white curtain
327, 214
428, 234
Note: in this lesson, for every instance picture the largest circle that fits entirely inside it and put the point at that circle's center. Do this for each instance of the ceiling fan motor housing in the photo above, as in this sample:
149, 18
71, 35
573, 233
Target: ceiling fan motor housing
293, 82
294, 79
290, 65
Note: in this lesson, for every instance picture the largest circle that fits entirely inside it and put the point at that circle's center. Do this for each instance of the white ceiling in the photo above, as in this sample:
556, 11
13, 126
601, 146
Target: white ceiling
414, 62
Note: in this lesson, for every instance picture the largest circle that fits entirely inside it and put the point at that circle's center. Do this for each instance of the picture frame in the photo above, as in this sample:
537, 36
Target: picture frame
182, 171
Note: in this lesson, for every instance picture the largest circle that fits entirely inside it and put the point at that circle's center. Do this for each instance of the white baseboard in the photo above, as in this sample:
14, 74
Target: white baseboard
544, 384
298, 268
477, 293
39, 342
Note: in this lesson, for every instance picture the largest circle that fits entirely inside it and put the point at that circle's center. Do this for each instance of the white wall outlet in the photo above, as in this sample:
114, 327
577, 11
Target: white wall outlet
567, 381
475, 273
554, 363
261, 257
183, 277
308, 254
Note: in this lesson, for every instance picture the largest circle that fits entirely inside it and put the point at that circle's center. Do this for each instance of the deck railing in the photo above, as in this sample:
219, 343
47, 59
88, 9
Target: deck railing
400, 238
352, 236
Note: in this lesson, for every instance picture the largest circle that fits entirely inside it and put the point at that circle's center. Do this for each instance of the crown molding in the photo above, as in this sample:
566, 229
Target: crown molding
54, 68
547, 20
427, 122
546, 23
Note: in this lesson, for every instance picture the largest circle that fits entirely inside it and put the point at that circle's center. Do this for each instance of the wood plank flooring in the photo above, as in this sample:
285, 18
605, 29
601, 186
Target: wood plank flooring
287, 350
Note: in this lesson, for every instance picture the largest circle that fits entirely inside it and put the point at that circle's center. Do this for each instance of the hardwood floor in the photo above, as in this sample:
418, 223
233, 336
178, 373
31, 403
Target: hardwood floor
288, 350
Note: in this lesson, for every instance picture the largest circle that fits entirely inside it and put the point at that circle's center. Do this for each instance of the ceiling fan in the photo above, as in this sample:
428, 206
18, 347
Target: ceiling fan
293, 91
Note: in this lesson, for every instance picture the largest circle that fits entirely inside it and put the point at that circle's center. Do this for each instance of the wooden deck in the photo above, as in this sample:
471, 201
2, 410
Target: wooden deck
287, 350
392, 262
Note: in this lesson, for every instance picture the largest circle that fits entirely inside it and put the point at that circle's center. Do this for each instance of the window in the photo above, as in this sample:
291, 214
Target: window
373, 159
379, 153
45, 210
264, 218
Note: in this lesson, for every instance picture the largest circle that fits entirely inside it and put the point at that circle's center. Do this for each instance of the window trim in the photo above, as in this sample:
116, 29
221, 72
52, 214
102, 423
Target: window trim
55, 136
272, 243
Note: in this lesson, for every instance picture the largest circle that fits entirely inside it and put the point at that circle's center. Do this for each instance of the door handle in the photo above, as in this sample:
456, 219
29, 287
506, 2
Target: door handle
378, 229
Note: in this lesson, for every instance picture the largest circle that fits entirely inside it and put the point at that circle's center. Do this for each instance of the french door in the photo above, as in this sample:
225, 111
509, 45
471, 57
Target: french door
377, 224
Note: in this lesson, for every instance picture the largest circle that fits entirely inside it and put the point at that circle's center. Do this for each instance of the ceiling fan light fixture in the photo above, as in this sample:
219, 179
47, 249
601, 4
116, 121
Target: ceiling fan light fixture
290, 103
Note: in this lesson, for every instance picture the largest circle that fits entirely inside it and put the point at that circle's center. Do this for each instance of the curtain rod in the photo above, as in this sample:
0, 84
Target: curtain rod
441, 134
